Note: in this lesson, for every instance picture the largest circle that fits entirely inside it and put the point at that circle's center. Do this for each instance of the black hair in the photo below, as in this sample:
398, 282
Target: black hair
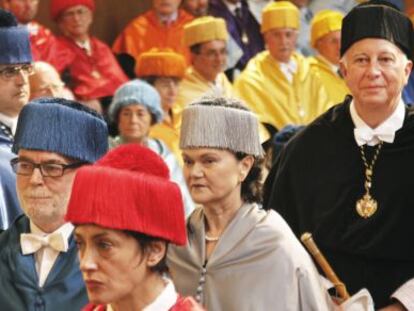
144, 242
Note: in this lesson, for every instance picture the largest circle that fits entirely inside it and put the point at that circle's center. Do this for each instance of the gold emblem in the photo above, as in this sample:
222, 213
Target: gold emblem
366, 206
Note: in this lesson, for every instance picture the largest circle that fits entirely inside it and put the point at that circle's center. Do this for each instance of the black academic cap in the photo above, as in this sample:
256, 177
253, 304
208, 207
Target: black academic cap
378, 19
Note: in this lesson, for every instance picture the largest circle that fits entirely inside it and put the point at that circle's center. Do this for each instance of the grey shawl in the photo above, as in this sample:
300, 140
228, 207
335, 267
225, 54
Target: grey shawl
258, 264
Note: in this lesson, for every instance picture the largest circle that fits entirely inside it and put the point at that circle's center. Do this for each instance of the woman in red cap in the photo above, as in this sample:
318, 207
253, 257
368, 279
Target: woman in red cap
126, 211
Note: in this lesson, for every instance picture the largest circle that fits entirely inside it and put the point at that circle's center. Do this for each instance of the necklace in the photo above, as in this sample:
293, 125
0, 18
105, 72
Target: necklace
367, 205
211, 238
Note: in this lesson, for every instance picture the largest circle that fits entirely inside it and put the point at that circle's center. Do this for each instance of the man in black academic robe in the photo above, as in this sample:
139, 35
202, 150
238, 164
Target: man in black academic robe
320, 175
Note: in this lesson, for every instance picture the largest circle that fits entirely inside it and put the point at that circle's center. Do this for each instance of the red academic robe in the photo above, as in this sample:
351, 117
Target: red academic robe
93, 76
182, 304
46, 48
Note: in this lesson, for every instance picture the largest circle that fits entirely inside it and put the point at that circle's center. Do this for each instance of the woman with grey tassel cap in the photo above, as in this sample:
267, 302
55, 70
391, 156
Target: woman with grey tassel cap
238, 256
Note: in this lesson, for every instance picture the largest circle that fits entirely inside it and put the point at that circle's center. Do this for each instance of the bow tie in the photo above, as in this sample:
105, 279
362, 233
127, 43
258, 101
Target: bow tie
372, 137
31, 243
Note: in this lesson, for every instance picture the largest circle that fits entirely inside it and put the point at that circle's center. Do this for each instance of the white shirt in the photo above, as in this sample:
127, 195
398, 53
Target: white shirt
387, 128
289, 69
46, 256
11, 122
167, 20
405, 295
85, 45
232, 6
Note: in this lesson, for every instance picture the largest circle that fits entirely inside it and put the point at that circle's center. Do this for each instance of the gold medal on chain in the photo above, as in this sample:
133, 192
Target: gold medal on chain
367, 205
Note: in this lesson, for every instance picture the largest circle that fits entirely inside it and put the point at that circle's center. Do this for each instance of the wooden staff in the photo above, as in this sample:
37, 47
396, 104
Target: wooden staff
323, 263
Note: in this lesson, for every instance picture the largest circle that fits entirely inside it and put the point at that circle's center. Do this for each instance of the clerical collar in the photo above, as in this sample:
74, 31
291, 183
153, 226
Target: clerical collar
66, 230
167, 20
388, 128
289, 69
85, 45
232, 6
10, 122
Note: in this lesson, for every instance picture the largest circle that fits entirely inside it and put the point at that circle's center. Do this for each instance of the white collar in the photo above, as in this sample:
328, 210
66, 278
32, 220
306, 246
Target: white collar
85, 45
166, 300
387, 128
11, 122
33, 28
289, 69
66, 230
232, 6
167, 20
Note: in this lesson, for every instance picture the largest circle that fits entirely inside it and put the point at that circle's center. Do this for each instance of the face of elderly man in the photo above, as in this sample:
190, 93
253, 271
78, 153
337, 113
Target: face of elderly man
44, 199
45, 81
329, 46
75, 21
375, 71
24, 10
14, 88
211, 59
281, 43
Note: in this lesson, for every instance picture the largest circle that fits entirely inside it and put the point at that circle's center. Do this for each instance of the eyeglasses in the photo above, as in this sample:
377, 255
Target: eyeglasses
26, 168
12, 71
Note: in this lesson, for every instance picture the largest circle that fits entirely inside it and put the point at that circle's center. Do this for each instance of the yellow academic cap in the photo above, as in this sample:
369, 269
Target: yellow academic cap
204, 29
161, 63
323, 23
280, 14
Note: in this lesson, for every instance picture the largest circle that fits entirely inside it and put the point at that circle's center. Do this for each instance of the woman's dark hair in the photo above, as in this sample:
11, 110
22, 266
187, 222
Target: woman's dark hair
144, 241
252, 187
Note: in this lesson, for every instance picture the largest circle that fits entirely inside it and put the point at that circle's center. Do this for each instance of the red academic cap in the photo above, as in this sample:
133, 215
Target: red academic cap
111, 195
57, 7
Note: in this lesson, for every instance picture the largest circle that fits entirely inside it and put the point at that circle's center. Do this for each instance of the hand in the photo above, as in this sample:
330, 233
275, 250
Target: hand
396, 306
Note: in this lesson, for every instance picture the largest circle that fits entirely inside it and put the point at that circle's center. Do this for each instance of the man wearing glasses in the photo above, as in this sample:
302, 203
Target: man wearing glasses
206, 37
15, 59
93, 70
38, 257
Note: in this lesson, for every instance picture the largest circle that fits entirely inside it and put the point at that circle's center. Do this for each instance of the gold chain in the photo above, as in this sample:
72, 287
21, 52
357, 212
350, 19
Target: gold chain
369, 168
367, 205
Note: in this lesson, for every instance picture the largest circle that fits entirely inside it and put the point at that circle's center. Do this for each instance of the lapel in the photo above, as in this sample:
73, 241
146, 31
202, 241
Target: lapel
25, 266
22, 266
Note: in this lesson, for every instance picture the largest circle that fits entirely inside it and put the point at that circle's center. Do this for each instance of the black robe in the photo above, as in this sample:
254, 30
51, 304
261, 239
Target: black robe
315, 184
